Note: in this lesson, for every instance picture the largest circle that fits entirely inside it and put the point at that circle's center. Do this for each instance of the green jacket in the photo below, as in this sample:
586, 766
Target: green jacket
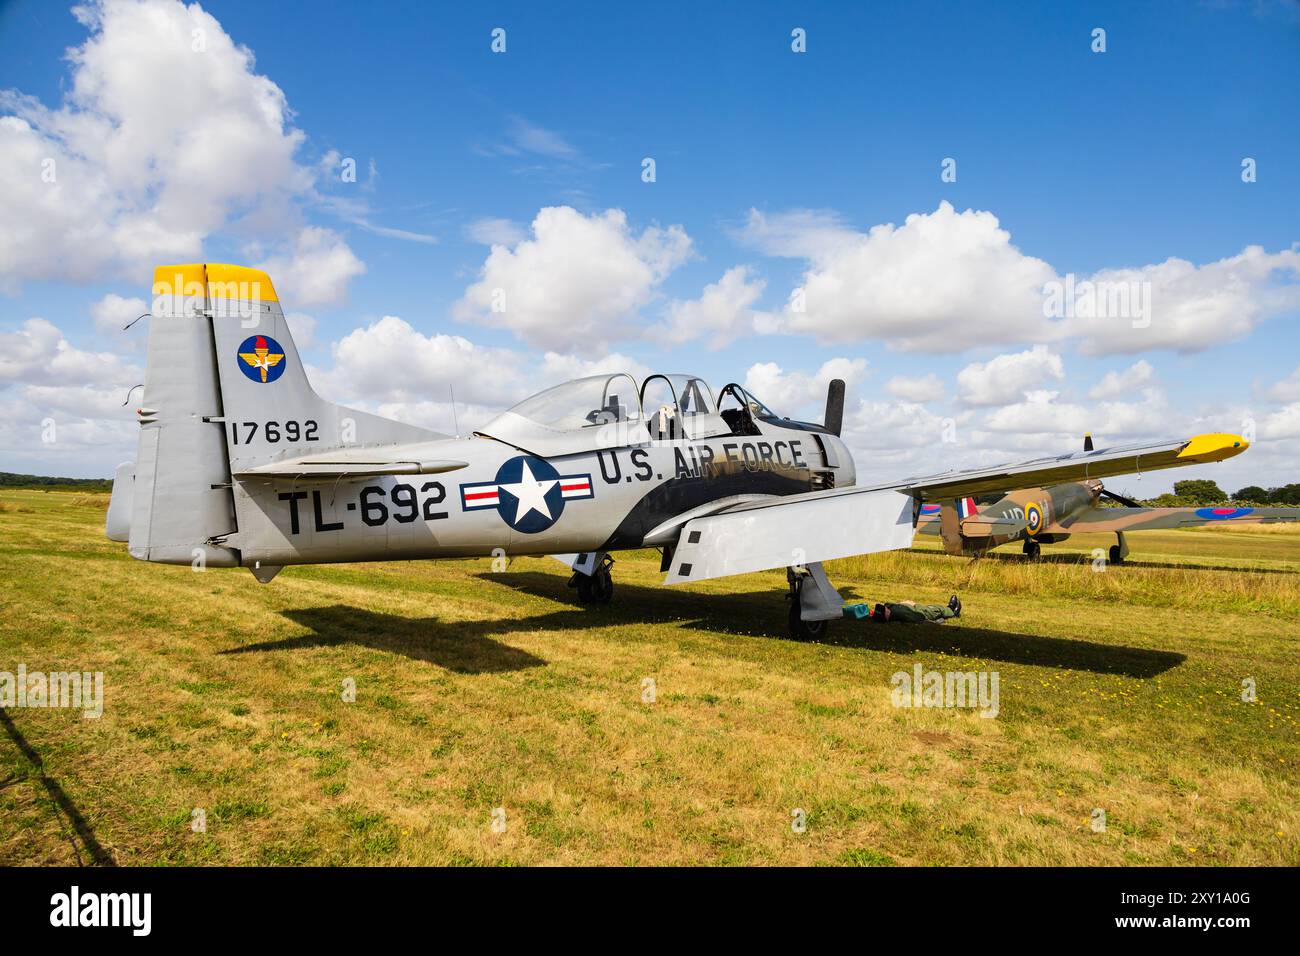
903, 613
915, 613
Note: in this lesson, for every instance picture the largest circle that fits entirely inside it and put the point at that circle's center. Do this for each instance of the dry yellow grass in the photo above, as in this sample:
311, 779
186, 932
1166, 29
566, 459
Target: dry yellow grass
478, 691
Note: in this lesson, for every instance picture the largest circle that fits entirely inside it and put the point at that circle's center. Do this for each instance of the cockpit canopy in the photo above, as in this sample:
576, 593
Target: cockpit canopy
611, 410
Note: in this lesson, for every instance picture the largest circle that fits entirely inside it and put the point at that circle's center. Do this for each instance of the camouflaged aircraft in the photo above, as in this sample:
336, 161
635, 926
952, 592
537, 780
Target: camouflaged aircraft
1039, 516
241, 464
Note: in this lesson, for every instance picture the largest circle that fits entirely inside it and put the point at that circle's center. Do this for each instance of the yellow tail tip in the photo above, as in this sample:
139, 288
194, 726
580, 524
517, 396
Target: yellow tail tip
217, 280
1213, 447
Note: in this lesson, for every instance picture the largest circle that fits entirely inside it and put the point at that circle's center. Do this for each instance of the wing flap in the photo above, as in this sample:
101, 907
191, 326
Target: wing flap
799, 530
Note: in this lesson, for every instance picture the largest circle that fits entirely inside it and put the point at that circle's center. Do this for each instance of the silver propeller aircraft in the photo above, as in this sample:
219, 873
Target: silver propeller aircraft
242, 464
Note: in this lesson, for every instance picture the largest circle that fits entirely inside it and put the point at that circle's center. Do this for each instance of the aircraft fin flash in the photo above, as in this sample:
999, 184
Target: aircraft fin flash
241, 464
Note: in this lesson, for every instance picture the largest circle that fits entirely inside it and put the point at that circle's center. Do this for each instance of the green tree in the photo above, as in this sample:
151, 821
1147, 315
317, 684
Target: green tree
1204, 490
1252, 493
1286, 495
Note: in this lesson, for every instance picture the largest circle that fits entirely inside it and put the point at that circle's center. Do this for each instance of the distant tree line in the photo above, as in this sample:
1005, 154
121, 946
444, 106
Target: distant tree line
1199, 492
46, 483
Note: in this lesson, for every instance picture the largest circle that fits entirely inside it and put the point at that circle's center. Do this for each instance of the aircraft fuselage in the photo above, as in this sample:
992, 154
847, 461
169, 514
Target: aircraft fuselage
506, 500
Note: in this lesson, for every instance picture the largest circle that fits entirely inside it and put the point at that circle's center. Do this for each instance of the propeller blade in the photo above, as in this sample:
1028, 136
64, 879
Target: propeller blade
1087, 441
1126, 502
834, 420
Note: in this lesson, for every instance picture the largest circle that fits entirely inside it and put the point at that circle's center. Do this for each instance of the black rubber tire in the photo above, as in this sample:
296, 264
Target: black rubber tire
1033, 550
802, 630
1115, 556
602, 587
596, 589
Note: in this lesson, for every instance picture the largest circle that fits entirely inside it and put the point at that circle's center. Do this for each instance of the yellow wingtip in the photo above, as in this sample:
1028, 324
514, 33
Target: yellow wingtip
1213, 447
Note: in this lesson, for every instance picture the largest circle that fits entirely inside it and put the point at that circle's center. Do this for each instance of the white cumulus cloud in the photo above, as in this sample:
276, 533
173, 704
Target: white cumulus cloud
315, 270
945, 281
795, 393
390, 361
940, 282
113, 312
916, 388
166, 136
39, 354
722, 313
1287, 390
577, 283
1007, 378
1115, 384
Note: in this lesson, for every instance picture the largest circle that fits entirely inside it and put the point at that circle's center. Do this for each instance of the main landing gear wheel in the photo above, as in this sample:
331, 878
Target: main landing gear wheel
1033, 550
1116, 555
800, 629
597, 587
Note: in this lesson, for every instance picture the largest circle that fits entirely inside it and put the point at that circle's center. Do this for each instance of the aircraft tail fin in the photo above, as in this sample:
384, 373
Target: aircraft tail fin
225, 392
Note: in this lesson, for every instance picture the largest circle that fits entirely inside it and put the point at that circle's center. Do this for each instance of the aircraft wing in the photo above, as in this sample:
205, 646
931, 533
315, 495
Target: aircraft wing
842, 522
1151, 519
1102, 463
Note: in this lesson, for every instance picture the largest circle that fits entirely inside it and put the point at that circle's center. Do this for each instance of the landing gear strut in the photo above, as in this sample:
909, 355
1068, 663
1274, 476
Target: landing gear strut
1033, 550
814, 603
1118, 552
596, 587
800, 629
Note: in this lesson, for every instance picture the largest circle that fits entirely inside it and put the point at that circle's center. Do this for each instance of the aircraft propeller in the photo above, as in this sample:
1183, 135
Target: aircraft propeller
834, 420
1126, 502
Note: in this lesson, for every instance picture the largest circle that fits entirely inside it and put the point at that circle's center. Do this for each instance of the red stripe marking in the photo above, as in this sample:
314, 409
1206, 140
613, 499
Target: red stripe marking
581, 486
480, 494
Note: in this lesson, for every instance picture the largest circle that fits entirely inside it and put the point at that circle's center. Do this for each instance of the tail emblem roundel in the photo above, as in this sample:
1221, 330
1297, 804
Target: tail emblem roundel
261, 358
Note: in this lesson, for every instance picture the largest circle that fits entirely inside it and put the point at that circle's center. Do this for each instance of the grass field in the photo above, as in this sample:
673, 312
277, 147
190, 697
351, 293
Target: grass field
478, 690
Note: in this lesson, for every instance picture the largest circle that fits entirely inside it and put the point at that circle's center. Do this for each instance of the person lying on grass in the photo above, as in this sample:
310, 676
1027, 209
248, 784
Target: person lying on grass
906, 612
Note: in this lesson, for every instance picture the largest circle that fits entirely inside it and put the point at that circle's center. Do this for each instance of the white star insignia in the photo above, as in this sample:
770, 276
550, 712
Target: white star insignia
530, 495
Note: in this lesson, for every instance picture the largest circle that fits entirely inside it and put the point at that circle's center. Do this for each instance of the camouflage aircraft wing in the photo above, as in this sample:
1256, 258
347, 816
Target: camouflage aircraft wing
1079, 466
1152, 519
842, 522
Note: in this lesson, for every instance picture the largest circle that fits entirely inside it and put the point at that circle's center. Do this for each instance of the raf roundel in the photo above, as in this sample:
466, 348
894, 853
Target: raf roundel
261, 358
1033, 518
528, 494
1222, 514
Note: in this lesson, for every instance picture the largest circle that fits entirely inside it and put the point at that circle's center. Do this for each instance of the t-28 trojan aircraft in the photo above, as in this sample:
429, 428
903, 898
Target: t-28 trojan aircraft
1038, 516
242, 464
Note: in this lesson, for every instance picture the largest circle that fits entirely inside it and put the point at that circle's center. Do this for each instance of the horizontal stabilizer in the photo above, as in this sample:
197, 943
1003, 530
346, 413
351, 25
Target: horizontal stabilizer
412, 458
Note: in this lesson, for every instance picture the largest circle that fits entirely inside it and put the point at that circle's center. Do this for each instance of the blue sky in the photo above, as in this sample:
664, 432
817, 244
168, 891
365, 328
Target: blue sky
1089, 161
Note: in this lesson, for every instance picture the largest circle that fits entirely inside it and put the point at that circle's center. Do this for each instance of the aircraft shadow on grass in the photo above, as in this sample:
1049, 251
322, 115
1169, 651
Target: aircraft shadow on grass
470, 647
763, 613
86, 848
464, 647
